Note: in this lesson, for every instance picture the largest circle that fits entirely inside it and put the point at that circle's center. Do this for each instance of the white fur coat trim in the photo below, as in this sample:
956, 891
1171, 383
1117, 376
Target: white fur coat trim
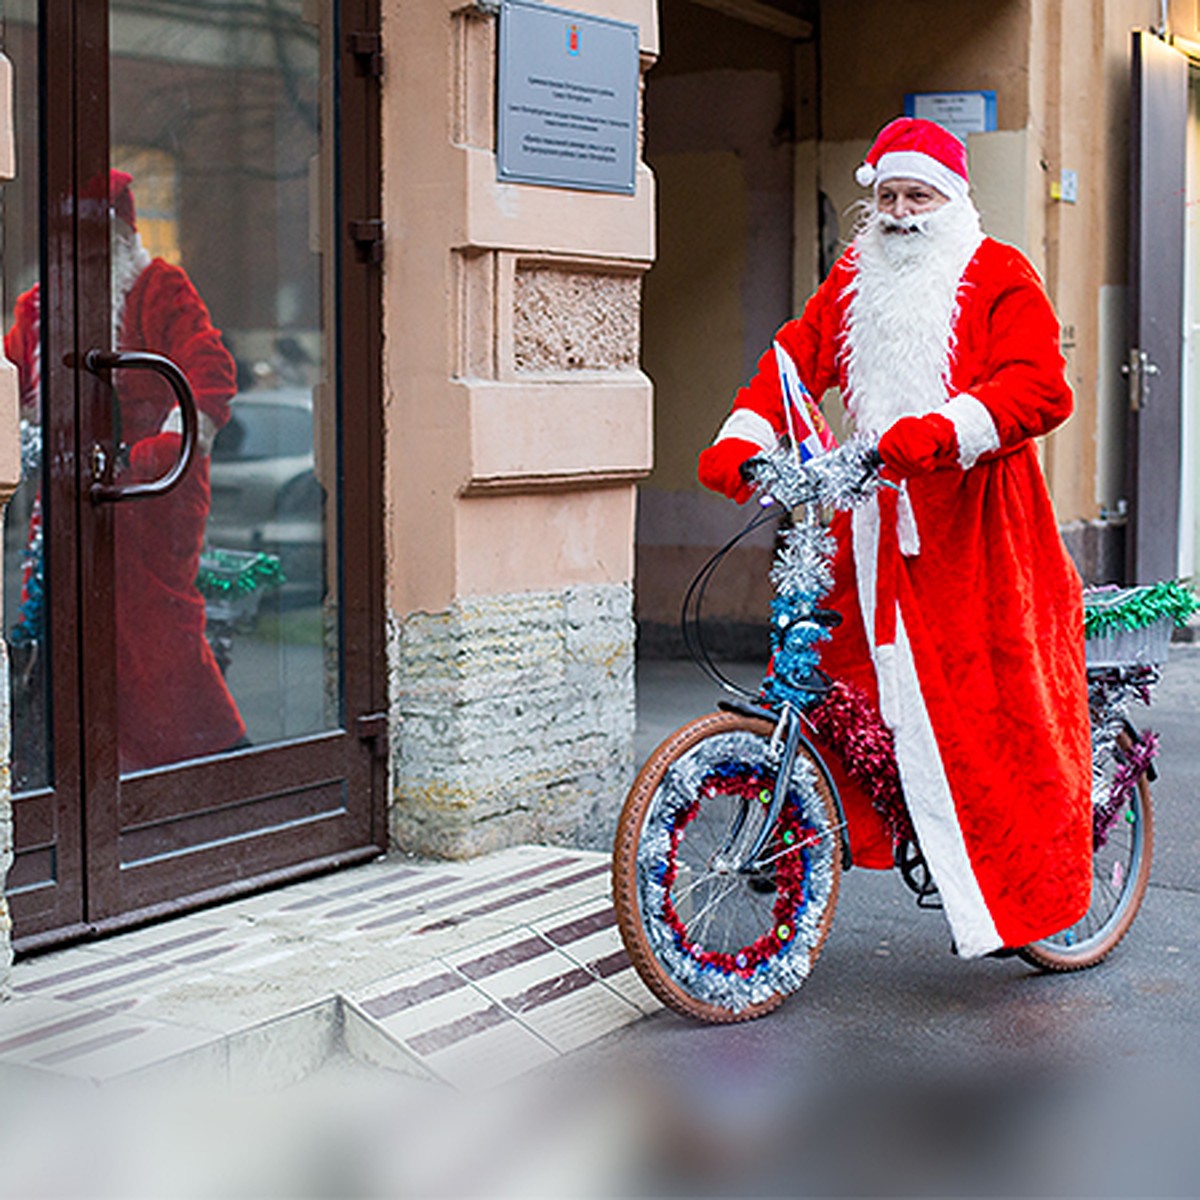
974, 426
206, 430
749, 426
934, 817
864, 533
915, 164
926, 788
906, 523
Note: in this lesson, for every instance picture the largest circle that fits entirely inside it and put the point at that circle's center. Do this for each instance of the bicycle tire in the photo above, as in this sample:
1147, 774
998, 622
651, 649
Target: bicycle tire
1128, 850
687, 797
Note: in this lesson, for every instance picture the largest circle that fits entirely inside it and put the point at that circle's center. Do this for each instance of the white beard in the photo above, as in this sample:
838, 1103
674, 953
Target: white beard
903, 307
129, 259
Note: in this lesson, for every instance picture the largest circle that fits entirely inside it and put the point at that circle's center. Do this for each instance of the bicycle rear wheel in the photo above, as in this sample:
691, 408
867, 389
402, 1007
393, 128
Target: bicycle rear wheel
710, 941
1120, 875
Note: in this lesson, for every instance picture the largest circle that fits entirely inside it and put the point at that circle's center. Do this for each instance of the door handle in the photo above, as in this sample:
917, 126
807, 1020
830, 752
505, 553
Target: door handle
97, 361
1139, 370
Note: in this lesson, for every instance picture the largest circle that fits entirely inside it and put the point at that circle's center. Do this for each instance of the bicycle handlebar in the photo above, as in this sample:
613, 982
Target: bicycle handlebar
842, 478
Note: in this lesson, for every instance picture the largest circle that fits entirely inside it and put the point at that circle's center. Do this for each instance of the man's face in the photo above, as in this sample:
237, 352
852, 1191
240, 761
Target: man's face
901, 199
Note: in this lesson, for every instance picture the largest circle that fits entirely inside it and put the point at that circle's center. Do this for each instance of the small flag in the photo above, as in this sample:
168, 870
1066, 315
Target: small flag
809, 431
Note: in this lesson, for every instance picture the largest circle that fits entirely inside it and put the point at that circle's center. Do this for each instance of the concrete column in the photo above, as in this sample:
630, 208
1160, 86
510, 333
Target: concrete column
517, 424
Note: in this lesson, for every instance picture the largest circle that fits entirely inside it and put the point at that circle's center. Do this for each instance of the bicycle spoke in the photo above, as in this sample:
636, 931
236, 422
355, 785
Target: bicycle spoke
1112, 892
718, 907
686, 894
765, 862
708, 909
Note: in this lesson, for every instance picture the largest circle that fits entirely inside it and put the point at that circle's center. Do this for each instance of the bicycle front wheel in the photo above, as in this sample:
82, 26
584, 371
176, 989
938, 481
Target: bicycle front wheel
711, 939
1120, 875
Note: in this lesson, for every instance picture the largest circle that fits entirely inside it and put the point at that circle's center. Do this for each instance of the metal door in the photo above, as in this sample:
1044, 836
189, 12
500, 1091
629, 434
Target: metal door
1154, 367
193, 570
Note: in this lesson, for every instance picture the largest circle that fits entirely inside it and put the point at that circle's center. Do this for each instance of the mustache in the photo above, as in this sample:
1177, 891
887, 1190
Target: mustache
888, 223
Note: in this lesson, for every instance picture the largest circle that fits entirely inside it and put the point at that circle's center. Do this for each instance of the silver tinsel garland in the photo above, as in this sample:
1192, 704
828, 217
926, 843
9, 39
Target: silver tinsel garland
783, 972
31, 446
843, 478
1110, 695
802, 562
802, 572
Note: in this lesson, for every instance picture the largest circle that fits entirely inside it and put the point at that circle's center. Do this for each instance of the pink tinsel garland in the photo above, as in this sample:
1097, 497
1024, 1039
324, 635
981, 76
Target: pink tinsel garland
848, 724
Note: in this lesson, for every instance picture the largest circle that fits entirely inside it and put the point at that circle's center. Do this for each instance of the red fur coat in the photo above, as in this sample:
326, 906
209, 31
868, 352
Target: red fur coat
963, 614
173, 703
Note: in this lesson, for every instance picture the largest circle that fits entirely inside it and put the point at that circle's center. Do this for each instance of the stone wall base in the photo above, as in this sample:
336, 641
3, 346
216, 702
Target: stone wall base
512, 721
1097, 548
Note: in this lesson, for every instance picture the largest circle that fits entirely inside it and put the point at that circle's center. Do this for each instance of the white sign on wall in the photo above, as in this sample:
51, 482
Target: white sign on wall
959, 112
568, 94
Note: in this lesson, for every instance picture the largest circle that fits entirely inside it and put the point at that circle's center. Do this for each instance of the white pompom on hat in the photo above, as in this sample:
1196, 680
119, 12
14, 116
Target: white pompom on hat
914, 148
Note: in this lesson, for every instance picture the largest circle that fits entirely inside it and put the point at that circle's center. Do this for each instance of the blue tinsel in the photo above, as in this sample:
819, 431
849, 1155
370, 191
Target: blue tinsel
794, 639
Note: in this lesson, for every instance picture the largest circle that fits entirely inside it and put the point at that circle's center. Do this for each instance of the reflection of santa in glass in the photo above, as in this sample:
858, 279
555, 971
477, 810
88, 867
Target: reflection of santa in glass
172, 700
962, 615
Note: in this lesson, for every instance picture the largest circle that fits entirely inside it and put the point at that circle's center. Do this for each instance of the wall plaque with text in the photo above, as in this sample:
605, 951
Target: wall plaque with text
568, 94
960, 112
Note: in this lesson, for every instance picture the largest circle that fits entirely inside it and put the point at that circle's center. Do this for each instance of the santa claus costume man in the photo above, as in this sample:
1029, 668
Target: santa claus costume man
962, 614
173, 702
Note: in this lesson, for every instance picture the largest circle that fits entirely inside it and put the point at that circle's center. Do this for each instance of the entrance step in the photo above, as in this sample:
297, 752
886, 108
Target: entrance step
468, 974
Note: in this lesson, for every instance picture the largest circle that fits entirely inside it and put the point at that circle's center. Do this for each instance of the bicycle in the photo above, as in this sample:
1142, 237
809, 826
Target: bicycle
730, 846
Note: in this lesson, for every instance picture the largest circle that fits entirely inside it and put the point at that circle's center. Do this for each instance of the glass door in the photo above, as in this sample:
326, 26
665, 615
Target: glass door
193, 314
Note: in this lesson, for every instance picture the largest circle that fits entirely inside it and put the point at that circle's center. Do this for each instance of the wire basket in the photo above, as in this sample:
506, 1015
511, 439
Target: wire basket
232, 582
1147, 646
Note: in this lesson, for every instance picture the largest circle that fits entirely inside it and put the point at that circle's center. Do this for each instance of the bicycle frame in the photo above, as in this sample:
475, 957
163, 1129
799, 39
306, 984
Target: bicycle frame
793, 737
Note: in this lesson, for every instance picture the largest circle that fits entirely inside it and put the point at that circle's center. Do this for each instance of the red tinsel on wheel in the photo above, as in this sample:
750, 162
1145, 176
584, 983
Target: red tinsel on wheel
848, 724
789, 874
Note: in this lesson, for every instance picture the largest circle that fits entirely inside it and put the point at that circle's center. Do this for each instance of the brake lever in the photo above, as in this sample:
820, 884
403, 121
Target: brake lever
873, 466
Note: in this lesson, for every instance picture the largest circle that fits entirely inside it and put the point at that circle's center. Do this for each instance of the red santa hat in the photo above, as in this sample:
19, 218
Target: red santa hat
112, 191
913, 148
121, 198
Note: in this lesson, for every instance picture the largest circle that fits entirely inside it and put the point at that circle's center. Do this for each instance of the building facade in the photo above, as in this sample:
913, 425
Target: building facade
443, 488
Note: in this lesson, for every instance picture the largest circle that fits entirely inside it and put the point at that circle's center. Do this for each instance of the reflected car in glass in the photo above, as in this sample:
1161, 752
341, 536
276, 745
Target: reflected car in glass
265, 493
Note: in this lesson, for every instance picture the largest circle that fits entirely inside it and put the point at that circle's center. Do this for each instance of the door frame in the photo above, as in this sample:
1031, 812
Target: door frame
1154, 365
74, 148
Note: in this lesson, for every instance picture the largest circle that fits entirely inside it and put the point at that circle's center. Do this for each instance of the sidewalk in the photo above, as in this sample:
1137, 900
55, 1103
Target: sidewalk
465, 972
469, 973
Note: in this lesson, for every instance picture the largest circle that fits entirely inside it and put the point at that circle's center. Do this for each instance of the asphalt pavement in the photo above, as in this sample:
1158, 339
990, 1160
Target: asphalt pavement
897, 1070
901, 1070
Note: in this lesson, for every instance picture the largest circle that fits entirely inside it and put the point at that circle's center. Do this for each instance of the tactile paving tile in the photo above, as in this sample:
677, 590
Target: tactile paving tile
479, 970
97, 1043
589, 935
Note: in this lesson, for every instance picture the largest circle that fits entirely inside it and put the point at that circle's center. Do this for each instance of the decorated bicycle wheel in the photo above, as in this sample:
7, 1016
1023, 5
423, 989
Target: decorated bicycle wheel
711, 938
1123, 837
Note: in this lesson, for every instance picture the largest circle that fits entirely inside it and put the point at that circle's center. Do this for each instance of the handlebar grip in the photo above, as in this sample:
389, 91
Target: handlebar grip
749, 469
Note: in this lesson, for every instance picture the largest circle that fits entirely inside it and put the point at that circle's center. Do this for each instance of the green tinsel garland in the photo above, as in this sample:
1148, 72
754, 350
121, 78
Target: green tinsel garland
1136, 608
225, 573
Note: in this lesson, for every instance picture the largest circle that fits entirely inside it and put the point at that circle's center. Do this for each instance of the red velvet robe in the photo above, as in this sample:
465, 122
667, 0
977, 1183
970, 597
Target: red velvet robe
970, 637
173, 703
